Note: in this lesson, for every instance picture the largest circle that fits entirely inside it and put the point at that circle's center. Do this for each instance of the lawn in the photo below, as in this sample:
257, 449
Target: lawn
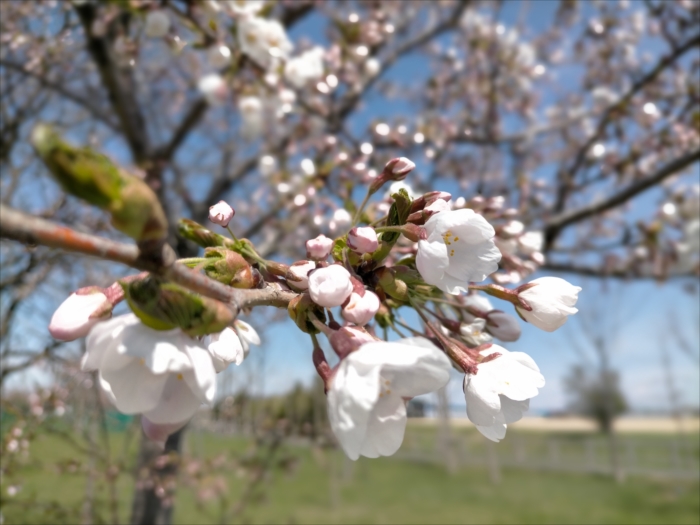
321, 486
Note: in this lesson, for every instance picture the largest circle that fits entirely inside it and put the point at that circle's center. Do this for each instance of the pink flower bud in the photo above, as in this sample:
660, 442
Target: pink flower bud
363, 240
330, 286
503, 326
348, 339
361, 309
159, 432
400, 168
319, 248
221, 214
78, 314
300, 270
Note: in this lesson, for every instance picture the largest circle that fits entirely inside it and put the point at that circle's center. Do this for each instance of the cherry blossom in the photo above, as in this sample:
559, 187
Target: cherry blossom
164, 375
459, 249
499, 392
366, 397
552, 300
304, 68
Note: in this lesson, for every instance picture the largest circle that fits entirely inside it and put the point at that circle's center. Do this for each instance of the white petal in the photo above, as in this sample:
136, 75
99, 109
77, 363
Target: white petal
431, 261
411, 370
202, 376
386, 427
135, 388
353, 393
494, 432
104, 337
177, 402
247, 333
483, 402
161, 351
226, 347
513, 411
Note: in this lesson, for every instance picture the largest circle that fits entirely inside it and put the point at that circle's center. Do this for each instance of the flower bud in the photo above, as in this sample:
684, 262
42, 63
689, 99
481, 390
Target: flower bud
159, 432
363, 240
394, 170
400, 168
348, 339
330, 286
503, 326
301, 308
229, 267
157, 24
221, 214
298, 275
78, 314
392, 286
429, 198
319, 248
361, 308
163, 306
512, 228
547, 302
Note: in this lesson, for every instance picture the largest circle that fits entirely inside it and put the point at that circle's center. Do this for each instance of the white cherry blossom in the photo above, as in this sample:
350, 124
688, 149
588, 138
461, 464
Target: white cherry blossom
499, 393
305, 68
474, 333
552, 300
164, 375
366, 398
459, 249
263, 40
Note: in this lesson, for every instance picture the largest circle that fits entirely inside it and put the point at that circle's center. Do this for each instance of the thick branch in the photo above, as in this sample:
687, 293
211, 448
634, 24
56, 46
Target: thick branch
32, 230
560, 221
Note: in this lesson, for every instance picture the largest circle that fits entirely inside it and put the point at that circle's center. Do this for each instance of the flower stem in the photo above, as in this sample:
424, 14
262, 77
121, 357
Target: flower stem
233, 236
358, 213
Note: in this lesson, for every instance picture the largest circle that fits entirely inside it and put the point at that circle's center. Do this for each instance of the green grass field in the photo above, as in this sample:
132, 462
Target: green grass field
323, 487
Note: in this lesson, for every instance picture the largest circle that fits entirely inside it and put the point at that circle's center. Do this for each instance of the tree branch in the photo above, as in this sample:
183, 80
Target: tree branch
554, 225
30, 230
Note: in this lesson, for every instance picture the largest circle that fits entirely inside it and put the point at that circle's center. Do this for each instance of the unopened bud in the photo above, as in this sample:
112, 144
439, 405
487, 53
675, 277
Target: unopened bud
362, 240
319, 248
428, 198
348, 339
159, 432
394, 170
302, 309
164, 306
221, 213
298, 275
503, 326
78, 314
392, 286
229, 267
400, 168
360, 309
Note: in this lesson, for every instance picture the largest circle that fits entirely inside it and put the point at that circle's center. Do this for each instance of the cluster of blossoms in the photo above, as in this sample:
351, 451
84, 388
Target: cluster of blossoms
161, 360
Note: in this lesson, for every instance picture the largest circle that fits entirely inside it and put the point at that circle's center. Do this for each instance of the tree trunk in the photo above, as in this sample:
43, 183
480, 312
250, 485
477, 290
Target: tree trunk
155, 481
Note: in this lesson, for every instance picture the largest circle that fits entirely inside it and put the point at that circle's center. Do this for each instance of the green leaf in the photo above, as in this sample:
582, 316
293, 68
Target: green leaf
338, 249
